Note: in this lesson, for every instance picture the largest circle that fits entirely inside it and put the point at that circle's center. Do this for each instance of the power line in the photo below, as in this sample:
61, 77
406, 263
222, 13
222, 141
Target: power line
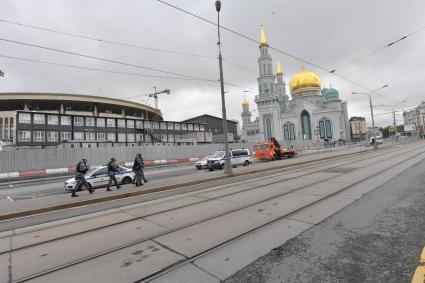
102, 59
271, 47
90, 68
379, 49
120, 43
112, 71
239, 66
106, 40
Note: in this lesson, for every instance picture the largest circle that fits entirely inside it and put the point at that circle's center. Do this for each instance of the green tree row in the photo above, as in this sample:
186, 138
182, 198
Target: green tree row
389, 131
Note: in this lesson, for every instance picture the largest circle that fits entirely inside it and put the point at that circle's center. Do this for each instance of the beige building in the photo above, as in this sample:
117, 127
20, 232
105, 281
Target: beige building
358, 128
416, 116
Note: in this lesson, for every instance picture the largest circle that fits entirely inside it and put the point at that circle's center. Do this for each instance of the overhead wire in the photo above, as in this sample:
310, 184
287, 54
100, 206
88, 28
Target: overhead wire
90, 68
112, 71
107, 41
271, 47
379, 49
124, 44
101, 59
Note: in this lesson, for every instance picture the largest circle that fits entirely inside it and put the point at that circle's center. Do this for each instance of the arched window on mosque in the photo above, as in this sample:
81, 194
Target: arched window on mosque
325, 128
305, 125
289, 131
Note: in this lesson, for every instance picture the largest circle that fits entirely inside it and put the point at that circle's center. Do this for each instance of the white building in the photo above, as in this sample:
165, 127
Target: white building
311, 110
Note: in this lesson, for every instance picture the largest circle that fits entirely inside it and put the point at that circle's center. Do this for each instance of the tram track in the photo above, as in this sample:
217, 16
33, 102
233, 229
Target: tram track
217, 247
346, 161
266, 179
167, 188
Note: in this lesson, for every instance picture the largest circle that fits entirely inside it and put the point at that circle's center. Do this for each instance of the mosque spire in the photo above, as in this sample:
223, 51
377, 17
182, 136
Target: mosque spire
263, 40
279, 68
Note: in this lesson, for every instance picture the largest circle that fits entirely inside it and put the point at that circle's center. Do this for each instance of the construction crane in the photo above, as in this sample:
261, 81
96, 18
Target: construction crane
155, 95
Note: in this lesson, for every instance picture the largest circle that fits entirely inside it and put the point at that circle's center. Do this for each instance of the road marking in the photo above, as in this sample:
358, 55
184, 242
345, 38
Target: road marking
14, 198
419, 276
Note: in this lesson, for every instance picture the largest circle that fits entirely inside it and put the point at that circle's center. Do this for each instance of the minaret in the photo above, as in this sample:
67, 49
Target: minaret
266, 80
246, 114
281, 86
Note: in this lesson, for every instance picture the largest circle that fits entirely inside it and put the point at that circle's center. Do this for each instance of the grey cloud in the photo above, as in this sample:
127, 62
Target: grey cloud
329, 33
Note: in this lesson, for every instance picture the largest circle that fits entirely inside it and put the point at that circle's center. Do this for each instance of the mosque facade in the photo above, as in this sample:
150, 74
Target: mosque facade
310, 114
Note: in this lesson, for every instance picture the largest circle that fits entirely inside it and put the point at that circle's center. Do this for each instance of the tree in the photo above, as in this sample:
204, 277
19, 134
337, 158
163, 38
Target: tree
389, 131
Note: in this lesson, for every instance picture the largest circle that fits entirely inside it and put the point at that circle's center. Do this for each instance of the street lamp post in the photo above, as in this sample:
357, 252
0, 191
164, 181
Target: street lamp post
227, 166
371, 110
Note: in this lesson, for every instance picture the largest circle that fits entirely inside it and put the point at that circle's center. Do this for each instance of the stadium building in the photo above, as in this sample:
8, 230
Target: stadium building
70, 120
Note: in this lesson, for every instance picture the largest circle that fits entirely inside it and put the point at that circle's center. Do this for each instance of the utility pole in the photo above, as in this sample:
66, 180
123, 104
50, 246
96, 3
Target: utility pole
227, 166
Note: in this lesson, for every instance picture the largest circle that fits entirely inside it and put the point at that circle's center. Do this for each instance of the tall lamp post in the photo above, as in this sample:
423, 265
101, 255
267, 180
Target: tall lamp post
371, 108
227, 167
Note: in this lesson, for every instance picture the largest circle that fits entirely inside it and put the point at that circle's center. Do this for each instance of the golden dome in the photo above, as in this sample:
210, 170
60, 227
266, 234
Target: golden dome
304, 79
245, 102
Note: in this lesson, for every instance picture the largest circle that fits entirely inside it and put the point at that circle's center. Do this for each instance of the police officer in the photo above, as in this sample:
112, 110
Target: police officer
81, 170
138, 170
112, 170
143, 168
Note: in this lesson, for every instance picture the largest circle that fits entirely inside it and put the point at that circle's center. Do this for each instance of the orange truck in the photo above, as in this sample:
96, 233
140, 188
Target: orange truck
272, 150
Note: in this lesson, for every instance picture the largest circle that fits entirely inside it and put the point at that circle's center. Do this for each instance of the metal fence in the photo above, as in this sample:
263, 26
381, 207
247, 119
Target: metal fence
36, 158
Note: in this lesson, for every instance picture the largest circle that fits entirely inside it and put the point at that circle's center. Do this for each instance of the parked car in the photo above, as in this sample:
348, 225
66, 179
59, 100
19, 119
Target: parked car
98, 177
202, 163
237, 157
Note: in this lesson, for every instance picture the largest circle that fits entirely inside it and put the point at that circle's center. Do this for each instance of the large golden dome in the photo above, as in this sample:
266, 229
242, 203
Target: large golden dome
304, 79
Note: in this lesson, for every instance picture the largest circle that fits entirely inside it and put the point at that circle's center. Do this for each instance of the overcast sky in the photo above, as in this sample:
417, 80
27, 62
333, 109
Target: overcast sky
329, 33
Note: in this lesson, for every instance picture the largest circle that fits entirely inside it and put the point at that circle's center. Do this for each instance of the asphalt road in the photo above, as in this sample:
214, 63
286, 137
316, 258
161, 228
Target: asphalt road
53, 187
376, 239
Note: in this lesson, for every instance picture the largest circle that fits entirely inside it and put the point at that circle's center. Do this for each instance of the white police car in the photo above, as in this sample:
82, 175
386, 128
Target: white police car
98, 177
202, 163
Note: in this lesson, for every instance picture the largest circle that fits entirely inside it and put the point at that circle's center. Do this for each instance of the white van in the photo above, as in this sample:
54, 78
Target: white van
237, 157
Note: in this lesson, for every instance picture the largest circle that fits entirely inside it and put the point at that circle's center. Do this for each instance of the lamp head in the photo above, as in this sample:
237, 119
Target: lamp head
218, 6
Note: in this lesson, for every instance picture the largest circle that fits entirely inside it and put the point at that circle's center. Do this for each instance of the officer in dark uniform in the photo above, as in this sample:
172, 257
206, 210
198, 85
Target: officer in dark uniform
112, 170
143, 168
138, 170
81, 170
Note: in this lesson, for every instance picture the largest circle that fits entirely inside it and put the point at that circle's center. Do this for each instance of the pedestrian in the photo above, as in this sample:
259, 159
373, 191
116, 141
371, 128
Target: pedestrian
143, 168
138, 169
112, 170
81, 170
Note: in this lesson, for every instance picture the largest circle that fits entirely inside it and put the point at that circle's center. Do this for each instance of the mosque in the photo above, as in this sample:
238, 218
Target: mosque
311, 113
